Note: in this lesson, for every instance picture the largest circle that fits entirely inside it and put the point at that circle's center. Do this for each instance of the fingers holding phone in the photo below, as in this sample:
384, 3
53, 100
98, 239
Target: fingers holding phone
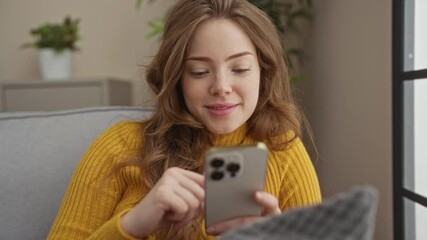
175, 199
269, 202
270, 206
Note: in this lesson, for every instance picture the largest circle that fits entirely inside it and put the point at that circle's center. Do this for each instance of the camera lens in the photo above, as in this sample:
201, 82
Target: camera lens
217, 162
233, 167
217, 175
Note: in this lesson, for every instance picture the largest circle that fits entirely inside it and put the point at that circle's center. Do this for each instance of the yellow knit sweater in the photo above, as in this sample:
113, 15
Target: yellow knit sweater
92, 206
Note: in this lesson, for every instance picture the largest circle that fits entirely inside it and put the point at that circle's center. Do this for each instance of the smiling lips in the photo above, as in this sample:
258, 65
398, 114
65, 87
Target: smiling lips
221, 109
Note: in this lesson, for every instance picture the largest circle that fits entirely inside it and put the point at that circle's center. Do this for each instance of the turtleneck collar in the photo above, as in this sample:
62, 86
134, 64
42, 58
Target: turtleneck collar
235, 137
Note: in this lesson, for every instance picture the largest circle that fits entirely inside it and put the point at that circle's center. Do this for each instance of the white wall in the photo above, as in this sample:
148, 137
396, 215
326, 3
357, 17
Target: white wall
420, 154
113, 38
348, 99
420, 117
420, 35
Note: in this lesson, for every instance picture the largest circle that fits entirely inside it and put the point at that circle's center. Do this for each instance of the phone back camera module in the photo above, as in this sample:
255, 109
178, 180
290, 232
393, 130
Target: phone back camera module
217, 162
217, 175
225, 165
233, 168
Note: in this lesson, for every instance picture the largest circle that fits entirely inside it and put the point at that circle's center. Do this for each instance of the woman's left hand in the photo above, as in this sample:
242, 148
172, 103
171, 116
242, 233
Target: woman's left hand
270, 207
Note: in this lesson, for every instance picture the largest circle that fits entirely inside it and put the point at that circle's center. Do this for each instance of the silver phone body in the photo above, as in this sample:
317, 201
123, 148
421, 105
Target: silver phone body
233, 195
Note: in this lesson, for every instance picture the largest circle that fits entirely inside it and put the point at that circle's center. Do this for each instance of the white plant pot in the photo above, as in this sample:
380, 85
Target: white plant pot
55, 65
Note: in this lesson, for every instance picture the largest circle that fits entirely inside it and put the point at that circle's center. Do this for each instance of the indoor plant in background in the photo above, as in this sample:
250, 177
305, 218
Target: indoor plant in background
56, 44
286, 15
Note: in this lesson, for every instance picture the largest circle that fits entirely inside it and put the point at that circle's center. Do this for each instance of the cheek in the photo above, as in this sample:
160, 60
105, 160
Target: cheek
253, 93
186, 88
253, 89
192, 94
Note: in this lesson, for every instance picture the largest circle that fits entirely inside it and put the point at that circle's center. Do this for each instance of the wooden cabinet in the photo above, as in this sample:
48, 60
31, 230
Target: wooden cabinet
61, 95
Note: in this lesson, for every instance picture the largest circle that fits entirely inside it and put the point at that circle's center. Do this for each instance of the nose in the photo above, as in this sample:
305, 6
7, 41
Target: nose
220, 86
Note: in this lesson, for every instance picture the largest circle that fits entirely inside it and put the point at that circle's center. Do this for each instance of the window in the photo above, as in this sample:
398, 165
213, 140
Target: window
410, 119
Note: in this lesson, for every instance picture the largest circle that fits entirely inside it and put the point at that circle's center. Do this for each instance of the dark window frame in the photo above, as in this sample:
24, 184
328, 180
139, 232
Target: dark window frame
400, 193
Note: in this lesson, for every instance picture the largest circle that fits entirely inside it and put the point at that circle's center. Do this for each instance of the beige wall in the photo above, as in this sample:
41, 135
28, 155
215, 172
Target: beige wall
113, 38
348, 98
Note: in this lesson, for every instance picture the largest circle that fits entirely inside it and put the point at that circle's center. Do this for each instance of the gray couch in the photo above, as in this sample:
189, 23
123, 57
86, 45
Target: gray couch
38, 153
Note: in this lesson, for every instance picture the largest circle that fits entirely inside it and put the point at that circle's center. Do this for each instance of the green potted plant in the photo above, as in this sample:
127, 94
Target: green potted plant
56, 43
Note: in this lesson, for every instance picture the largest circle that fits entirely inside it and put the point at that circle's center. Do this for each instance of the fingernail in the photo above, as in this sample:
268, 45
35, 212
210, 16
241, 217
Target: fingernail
259, 195
210, 230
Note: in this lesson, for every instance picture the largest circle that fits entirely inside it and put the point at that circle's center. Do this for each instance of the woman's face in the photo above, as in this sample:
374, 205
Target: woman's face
221, 77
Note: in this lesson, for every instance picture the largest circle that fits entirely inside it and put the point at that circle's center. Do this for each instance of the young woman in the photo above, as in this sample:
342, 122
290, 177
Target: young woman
220, 80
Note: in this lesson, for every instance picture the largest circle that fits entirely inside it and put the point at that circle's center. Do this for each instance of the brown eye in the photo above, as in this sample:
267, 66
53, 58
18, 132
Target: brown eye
241, 70
199, 74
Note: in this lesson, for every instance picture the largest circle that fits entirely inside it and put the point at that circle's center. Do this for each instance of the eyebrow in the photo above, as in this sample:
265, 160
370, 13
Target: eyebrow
207, 59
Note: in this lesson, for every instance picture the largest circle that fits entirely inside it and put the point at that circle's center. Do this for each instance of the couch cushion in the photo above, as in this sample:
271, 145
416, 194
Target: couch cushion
38, 153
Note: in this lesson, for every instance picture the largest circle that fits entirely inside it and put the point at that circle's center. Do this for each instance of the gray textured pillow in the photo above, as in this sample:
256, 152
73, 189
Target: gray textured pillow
346, 216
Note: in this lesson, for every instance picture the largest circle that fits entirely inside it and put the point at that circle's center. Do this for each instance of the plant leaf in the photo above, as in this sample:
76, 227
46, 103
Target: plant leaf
301, 13
296, 79
139, 3
156, 26
295, 51
58, 36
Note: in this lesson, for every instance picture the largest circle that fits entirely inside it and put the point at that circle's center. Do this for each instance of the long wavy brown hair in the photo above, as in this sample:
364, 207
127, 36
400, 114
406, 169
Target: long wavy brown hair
172, 136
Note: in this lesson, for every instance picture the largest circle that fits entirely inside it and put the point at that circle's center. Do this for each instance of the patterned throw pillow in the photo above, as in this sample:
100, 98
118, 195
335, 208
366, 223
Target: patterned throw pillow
346, 216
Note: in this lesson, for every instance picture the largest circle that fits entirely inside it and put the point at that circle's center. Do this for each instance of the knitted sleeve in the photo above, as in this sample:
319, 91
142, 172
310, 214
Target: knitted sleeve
299, 184
89, 206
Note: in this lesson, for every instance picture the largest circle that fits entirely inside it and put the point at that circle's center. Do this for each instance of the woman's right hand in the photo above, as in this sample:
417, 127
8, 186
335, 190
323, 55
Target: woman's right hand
176, 199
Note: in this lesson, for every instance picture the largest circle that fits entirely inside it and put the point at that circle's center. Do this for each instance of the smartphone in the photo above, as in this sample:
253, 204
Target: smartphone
232, 176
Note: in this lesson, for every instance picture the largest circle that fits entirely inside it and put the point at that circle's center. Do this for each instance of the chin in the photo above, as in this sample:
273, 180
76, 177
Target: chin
222, 130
